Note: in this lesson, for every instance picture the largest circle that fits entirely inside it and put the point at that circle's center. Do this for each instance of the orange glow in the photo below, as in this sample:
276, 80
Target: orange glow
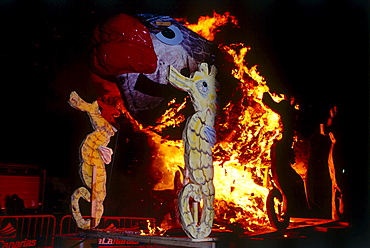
242, 156
207, 26
152, 230
172, 117
246, 131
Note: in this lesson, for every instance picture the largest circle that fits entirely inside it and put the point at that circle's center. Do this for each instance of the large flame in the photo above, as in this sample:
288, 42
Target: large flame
246, 131
208, 26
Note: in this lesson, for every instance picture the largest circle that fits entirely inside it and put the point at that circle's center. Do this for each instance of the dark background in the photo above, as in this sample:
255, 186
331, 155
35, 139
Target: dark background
315, 50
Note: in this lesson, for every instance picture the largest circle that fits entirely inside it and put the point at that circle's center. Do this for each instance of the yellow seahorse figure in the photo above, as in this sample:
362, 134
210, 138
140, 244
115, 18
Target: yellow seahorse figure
199, 136
94, 154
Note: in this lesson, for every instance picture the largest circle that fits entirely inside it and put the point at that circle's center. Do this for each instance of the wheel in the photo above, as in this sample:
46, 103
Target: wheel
277, 211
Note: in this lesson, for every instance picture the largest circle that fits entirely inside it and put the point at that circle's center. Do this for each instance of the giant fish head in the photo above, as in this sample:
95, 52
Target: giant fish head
147, 45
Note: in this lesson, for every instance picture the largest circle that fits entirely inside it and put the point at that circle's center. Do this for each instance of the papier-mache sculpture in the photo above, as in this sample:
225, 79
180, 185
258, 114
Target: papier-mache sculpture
94, 154
199, 137
135, 54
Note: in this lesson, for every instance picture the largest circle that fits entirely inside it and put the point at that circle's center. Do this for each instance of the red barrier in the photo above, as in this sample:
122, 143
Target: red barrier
68, 226
27, 231
68, 230
39, 230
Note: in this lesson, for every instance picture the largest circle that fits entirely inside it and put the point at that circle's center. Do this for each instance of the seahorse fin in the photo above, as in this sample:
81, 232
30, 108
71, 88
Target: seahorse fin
210, 133
105, 153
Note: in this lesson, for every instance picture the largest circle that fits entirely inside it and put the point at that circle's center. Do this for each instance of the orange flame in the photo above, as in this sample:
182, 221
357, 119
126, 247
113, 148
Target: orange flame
242, 156
246, 131
171, 118
207, 26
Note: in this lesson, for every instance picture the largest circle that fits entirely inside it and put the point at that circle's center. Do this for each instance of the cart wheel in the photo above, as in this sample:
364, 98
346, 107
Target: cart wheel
276, 212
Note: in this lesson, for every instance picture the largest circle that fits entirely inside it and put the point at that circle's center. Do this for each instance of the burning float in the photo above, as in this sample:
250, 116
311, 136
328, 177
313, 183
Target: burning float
260, 161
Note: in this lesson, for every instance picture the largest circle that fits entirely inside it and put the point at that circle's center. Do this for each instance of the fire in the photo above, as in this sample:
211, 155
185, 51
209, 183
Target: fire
208, 26
171, 118
246, 131
151, 229
169, 156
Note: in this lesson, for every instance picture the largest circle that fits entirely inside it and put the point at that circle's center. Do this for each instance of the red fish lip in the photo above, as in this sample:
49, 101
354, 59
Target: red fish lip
122, 45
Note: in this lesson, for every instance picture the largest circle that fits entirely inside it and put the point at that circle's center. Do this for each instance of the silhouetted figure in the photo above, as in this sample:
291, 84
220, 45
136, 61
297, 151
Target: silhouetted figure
14, 205
327, 129
282, 155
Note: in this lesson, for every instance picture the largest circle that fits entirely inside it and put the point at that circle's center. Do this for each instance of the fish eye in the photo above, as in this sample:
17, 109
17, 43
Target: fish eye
170, 35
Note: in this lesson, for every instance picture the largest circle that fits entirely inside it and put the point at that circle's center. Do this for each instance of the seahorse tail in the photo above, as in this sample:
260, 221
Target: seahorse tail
189, 225
77, 194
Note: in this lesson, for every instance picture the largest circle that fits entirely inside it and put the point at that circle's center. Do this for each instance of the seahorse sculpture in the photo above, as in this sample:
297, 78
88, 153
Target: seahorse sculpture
199, 137
94, 154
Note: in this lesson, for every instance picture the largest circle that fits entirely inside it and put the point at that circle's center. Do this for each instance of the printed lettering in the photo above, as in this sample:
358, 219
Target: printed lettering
120, 242
106, 241
17, 244
132, 242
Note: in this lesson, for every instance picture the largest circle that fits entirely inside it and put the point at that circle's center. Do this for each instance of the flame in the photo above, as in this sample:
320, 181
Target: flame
207, 26
169, 158
242, 157
171, 118
152, 229
246, 131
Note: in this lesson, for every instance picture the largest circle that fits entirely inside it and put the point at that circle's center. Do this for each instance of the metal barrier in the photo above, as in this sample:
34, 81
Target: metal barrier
68, 232
40, 230
27, 231
68, 226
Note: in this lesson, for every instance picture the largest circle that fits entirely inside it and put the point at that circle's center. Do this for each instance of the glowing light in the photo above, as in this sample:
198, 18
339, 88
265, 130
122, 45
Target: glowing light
246, 131
208, 26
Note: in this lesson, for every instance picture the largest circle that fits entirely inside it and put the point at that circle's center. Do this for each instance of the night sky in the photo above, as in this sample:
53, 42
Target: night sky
315, 50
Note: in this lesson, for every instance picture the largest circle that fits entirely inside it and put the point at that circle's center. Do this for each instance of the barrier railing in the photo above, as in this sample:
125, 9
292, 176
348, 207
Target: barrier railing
39, 230
68, 226
27, 231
